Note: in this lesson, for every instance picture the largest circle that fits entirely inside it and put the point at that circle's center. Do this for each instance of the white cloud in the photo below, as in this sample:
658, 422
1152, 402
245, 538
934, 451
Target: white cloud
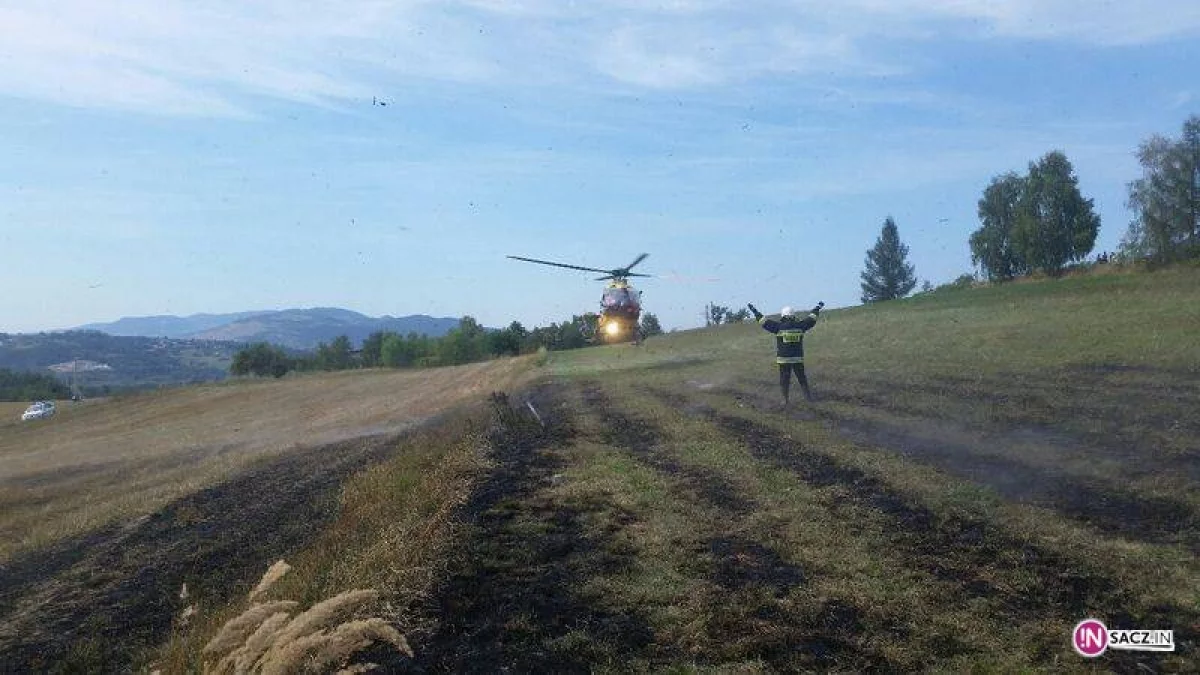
212, 58
180, 58
1093, 22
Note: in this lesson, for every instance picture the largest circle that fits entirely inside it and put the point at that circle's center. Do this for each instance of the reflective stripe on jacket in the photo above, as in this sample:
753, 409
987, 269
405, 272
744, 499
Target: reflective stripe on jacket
789, 336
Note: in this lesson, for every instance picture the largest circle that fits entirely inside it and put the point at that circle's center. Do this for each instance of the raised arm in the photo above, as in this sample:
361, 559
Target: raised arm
811, 320
770, 325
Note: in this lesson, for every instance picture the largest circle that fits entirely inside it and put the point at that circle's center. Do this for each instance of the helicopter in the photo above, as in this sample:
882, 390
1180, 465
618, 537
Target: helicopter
620, 305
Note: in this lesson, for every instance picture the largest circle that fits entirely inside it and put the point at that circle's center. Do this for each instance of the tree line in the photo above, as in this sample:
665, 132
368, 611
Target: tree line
715, 315
1039, 221
1034, 222
467, 343
17, 386
1166, 199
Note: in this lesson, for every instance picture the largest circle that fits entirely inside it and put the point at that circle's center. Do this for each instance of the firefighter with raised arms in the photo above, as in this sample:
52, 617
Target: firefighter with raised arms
789, 330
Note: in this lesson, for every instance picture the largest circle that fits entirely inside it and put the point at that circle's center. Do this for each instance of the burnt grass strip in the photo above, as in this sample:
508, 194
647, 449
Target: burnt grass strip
511, 601
99, 603
1103, 505
958, 549
1133, 425
640, 437
750, 621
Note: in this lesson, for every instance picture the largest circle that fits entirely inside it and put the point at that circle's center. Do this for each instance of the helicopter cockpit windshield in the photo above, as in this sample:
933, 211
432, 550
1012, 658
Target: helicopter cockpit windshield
619, 298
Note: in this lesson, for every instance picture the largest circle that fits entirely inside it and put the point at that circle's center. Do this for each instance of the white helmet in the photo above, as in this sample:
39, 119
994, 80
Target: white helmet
787, 311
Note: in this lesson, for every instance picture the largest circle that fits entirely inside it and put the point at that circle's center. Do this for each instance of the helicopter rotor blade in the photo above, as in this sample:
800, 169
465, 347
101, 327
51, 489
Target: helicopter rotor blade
637, 260
547, 262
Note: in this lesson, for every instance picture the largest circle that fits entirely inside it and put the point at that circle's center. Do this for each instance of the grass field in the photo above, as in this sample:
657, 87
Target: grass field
983, 468
102, 504
98, 463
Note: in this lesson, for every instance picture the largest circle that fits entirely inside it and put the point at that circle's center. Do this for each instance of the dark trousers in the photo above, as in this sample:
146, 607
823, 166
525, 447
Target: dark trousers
785, 378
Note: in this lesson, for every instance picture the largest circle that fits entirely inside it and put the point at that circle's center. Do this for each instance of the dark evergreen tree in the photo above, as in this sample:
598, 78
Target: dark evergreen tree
887, 275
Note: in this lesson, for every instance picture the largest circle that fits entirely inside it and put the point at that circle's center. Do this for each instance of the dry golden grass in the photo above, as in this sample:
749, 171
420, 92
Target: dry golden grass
10, 413
395, 523
273, 574
97, 464
266, 639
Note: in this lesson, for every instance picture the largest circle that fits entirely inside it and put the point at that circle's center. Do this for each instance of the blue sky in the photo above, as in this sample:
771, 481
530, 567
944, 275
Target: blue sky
175, 158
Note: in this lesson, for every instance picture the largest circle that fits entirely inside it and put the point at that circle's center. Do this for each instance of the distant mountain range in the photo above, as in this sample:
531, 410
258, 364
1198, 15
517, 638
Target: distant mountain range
294, 328
165, 325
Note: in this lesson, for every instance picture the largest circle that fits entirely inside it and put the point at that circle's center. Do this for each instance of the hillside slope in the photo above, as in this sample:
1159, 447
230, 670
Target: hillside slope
101, 461
108, 507
982, 469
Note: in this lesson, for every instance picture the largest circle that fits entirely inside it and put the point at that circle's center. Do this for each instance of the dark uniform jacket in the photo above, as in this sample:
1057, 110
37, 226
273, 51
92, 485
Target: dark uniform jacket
789, 335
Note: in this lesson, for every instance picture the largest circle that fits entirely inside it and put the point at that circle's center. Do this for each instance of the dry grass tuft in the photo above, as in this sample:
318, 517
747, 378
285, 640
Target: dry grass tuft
394, 530
323, 650
259, 642
234, 634
274, 573
267, 639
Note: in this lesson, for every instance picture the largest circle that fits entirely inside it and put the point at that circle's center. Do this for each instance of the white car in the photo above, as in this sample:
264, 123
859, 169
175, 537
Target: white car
38, 410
